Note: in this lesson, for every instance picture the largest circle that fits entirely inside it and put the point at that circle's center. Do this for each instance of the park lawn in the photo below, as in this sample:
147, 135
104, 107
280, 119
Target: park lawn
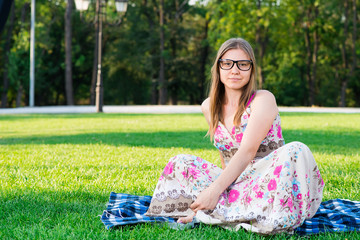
57, 171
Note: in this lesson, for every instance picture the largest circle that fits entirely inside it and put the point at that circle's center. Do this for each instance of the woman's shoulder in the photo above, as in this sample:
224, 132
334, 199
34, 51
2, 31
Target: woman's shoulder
205, 105
205, 108
264, 94
265, 100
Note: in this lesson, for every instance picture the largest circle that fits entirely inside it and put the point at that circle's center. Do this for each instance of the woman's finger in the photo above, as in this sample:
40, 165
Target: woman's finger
194, 205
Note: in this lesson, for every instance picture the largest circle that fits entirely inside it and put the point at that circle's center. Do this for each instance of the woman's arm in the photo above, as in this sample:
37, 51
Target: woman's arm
206, 111
223, 166
263, 113
205, 108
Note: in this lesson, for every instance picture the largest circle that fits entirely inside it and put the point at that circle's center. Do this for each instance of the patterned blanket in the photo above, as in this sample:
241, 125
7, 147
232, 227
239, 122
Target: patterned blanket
337, 215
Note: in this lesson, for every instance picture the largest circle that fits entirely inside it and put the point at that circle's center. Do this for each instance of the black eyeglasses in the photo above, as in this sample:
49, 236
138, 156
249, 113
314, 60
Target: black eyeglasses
227, 64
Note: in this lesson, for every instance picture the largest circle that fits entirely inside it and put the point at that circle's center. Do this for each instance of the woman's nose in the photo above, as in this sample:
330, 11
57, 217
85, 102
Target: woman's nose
235, 69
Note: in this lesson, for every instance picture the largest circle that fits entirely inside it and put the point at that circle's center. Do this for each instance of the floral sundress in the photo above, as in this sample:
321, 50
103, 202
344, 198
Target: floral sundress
279, 189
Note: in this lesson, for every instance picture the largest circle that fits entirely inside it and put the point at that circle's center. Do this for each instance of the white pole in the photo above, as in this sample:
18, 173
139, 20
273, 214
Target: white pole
32, 55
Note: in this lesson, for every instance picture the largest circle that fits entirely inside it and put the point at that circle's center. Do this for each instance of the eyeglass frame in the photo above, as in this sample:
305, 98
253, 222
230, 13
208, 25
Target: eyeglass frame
235, 62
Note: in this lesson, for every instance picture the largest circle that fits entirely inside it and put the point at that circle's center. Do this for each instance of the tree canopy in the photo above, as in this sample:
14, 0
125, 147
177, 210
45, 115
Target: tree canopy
162, 51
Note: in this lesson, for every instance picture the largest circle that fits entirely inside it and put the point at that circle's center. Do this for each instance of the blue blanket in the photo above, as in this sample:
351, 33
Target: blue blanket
337, 215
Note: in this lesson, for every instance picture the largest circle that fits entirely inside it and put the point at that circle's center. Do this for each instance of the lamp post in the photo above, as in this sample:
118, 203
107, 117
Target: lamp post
121, 7
32, 56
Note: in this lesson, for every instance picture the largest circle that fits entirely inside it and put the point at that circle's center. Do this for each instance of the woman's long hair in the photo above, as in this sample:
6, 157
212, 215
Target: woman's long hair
217, 88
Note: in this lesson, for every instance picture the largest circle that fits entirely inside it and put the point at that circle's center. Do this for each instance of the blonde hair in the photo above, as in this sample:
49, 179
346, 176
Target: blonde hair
217, 88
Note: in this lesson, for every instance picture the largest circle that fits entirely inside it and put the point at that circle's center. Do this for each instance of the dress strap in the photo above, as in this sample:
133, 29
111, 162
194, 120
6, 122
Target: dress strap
251, 98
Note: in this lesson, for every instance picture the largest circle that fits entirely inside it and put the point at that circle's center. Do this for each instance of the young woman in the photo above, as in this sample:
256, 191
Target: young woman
265, 186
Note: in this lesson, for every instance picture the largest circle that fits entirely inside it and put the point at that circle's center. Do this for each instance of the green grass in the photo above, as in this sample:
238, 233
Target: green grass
57, 171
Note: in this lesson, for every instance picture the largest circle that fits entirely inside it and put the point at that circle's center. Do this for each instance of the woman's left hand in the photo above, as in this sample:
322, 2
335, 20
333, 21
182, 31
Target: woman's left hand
207, 200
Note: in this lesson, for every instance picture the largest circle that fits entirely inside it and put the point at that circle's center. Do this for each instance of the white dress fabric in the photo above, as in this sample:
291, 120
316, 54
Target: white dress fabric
279, 189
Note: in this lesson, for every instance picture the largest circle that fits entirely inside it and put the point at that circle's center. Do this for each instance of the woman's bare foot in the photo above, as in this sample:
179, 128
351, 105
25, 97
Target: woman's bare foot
186, 219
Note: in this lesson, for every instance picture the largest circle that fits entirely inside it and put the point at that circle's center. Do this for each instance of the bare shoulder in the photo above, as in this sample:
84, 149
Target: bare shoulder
265, 100
205, 108
265, 94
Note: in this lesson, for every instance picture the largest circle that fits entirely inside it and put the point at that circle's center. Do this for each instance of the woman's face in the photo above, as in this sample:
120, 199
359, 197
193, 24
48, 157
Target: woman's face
234, 78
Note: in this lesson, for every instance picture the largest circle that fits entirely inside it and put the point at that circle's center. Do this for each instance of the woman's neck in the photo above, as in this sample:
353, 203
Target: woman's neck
232, 98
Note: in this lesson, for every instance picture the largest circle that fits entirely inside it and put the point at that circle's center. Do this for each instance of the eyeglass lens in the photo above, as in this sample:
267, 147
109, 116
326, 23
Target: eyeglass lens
227, 64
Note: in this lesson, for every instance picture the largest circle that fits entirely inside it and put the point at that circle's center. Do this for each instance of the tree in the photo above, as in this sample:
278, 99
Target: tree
68, 54
4, 92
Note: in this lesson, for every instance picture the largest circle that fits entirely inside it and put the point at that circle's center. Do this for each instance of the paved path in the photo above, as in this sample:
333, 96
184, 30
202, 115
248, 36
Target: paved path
155, 109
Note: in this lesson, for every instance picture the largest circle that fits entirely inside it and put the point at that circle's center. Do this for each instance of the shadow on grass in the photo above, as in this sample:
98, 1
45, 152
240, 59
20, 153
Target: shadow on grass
25, 117
188, 139
324, 141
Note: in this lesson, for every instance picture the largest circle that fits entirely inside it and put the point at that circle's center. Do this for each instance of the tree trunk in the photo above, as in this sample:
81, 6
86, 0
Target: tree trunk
344, 78
203, 58
314, 58
68, 54
174, 81
4, 99
19, 95
311, 56
154, 78
154, 90
162, 80
261, 39
257, 50
353, 43
94, 69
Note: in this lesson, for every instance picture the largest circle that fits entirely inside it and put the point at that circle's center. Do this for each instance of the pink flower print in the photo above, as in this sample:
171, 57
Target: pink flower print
259, 194
233, 130
222, 202
282, 202
207, 171
271, 131
221, 148
277, 171
231, 144
161, 178
256, 187
227, 146
279, 133
168, 168
290, 203
238, 137
299, 196
184, 174
272, 184
199, 159
193, 172
233, 195
248, 199
318, 173
218, 130
204, 166
300, 205
295, 187
270, 200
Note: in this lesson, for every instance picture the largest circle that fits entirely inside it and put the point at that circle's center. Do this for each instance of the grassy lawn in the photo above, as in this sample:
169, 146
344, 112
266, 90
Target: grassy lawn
57, 171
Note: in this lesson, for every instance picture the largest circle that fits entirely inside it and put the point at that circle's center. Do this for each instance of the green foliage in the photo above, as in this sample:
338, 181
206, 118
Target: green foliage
57, 171
284, 62
193, 33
